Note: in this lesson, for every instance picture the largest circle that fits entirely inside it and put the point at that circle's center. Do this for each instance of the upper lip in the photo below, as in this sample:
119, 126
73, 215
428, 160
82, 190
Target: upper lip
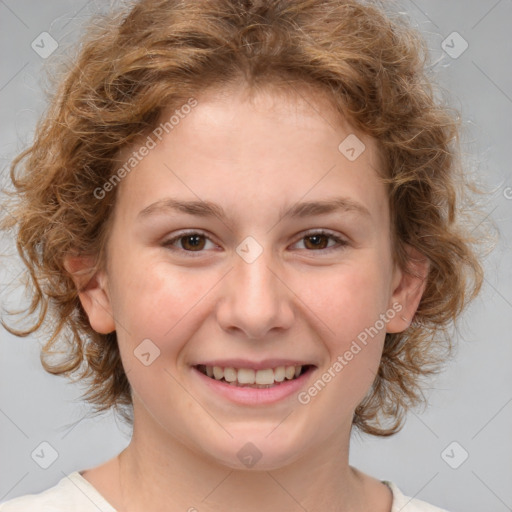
254, 365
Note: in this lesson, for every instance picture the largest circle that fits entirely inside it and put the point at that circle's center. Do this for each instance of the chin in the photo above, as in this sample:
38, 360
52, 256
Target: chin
256, 453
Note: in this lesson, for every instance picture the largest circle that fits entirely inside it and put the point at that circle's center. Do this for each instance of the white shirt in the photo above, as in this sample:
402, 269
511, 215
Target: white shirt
74, 493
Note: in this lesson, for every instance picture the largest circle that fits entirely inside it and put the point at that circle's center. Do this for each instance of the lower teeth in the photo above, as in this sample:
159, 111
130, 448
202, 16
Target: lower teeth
258, 386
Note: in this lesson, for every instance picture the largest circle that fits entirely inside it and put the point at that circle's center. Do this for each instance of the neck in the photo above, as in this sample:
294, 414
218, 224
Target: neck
160, 473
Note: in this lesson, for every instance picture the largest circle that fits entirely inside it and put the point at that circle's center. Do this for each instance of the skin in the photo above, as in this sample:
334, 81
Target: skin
253, 155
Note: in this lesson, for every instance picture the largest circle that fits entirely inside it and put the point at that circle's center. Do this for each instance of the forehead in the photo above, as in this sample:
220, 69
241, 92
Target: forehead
227, 108
247, 111
271, 145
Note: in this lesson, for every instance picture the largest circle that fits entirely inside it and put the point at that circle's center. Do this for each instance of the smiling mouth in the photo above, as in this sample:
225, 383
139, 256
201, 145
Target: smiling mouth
247, 377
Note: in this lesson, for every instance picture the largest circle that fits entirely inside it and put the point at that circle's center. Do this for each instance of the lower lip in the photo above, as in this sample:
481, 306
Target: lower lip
256, 396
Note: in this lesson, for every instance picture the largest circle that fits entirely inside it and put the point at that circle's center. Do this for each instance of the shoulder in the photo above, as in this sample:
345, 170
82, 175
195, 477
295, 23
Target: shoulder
403, 503
72, 492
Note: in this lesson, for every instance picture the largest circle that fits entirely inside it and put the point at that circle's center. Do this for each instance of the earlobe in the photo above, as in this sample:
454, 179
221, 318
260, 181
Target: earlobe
408, 290
92, 291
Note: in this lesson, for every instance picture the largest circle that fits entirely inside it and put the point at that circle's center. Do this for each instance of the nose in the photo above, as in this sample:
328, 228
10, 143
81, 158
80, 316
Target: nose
255, 299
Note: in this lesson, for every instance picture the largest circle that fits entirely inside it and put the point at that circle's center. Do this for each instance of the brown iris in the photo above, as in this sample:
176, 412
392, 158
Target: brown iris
319, 241
193, 242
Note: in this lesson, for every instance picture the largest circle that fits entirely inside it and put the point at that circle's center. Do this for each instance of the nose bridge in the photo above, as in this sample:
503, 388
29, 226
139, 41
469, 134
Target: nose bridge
255, 280
256, 300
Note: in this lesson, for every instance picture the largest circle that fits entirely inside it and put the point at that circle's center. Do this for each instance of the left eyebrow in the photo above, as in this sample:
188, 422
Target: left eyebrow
301, 210
312, 208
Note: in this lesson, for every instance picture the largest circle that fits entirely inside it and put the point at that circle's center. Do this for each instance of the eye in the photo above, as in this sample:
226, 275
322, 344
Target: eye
319, 241
191, 241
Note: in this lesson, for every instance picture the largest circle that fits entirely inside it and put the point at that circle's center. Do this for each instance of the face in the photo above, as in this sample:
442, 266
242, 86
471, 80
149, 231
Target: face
247, 239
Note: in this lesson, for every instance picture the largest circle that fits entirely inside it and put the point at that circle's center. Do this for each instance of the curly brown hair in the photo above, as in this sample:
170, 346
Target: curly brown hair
134, 64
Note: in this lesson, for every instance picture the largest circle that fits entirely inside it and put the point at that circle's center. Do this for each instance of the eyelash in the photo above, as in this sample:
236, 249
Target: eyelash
340, 241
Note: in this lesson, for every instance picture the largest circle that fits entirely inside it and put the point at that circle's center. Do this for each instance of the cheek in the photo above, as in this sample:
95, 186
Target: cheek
349, 299
156, 312
165, 304
350, 303
152, 300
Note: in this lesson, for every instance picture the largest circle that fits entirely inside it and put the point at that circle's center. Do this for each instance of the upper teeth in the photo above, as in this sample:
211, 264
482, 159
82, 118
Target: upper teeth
250, 376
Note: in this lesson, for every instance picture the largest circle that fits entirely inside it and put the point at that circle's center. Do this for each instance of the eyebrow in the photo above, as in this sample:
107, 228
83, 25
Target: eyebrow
210, 209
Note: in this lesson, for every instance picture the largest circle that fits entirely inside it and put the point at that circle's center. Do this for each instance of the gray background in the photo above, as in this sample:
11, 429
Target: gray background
470, 403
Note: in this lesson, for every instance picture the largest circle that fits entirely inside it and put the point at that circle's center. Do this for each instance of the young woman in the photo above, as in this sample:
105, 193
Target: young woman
244, 214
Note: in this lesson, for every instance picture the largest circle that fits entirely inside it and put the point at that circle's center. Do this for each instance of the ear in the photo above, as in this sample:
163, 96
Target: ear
92, 291
408, 287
